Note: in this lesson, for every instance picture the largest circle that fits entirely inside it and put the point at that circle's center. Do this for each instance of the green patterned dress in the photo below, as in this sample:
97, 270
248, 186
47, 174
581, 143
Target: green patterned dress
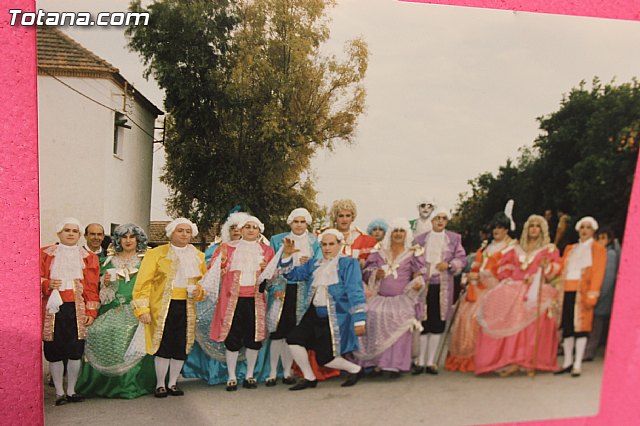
106, 371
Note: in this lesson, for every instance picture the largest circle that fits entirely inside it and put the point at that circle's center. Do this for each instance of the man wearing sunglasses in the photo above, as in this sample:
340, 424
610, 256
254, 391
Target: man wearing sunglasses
422, 223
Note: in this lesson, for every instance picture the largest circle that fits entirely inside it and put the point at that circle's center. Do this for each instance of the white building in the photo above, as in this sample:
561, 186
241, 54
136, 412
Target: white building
95, 139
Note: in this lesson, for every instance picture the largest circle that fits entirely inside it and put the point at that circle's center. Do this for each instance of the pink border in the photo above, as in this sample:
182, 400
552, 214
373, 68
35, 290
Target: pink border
616, 9
20, 362
20, 337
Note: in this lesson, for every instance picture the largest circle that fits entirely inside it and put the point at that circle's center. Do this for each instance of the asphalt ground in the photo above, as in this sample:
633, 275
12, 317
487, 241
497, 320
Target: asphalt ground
446, 399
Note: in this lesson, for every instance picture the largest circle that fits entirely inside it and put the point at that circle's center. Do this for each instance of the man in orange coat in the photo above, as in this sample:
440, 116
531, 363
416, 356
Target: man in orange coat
584, 265
69, 280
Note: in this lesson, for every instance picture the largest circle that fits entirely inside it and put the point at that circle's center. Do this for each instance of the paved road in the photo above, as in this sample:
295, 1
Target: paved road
446, 399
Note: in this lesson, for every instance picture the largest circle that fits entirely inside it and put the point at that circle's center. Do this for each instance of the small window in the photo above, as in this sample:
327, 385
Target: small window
119, 124
113, 227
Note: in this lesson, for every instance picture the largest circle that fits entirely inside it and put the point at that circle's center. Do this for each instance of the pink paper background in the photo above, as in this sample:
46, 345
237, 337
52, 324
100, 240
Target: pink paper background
21, 384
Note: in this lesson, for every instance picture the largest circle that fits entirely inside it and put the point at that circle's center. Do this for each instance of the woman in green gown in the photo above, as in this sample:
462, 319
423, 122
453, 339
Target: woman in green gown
110, 369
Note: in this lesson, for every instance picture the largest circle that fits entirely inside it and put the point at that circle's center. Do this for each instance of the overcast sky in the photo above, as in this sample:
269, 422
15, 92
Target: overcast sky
451, 92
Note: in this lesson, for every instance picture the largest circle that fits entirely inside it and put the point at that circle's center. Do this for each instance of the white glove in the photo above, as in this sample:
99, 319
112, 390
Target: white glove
191, 288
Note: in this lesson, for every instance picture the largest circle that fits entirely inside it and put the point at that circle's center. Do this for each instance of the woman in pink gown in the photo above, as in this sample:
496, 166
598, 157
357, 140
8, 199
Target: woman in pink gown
518, 318
481, 279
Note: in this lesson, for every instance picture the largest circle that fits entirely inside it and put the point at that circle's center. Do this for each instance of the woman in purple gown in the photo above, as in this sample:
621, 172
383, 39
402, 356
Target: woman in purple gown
394, 278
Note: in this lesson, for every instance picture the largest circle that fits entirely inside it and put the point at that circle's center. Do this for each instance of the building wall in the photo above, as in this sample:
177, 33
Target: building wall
129, 177
79, 174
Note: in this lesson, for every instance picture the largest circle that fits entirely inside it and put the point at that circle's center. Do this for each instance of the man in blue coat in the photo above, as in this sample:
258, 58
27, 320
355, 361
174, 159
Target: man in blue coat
335, 311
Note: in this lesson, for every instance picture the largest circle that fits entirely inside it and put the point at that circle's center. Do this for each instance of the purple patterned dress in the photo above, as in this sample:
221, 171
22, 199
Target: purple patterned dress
394, 309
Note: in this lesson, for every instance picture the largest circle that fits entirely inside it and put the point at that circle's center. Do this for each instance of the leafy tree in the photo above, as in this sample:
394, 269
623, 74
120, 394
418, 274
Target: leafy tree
583, 162
251, 99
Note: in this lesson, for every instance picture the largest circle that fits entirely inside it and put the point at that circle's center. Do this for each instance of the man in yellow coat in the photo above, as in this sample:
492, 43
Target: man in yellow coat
164, 299
583, 271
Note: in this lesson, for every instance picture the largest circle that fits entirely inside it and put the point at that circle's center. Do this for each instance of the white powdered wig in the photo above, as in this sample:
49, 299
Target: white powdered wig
439, 211
233, 219
587, 219
331, 231
398, 223
299, 212
253, 219
68, 221
426, 200
181, 221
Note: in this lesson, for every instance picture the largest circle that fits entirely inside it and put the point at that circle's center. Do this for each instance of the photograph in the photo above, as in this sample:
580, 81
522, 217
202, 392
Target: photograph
410, 212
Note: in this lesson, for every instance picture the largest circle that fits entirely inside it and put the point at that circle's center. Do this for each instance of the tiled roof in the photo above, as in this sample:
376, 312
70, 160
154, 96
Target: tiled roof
59, 54
57, 50
156, 231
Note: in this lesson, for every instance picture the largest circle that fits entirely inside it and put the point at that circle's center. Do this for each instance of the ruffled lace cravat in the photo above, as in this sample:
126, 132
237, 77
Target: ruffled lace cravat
302, 244
189, 265
579, 259
67, 266
246, 259
325, 275
435, 247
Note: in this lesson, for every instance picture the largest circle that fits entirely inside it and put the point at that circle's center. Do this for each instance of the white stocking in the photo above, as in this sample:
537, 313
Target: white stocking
174, 371
162, 366
73, 371
287, 360
581, 344
423, 350
275, 352
301, 357
434, 342
57, 374
340, 363
252, 357
567, 347
232, 360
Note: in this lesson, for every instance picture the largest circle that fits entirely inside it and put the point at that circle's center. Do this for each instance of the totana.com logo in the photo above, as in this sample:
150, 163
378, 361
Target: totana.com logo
81, 19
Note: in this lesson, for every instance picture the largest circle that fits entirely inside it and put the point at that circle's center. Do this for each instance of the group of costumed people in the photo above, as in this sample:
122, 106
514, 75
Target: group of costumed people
131, 322
522, 297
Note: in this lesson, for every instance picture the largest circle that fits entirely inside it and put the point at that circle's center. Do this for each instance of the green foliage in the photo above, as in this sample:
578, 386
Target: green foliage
583, 161
250, 100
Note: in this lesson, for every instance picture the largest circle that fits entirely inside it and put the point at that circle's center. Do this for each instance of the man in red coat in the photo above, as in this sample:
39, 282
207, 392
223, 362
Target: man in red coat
240, 316
69, 280
356, 243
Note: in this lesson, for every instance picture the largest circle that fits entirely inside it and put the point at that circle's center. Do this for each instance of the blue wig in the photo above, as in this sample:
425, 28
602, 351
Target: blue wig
377, 223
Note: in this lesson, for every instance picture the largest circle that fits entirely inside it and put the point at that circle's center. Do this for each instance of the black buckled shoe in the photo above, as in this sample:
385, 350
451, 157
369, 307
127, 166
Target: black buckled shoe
394, 375
431, 369
417, 369
175, 391
160, 392
75, 398
289, 380
352, 379
232, 385
250, 383
60, 400
376, 372
271, 382
304, 384
563, 371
